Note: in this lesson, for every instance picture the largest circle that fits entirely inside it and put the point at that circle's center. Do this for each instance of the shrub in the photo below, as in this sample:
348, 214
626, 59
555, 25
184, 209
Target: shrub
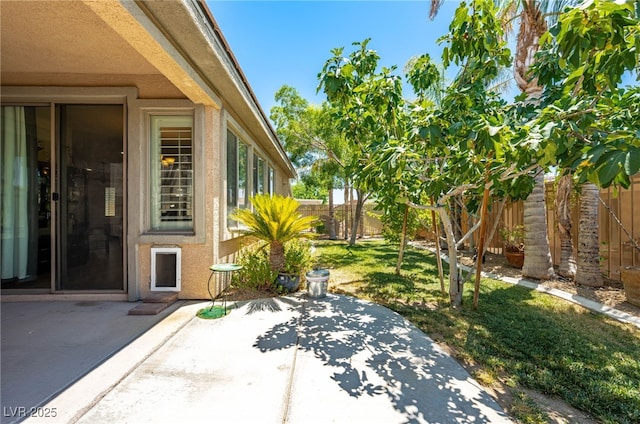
256, 272
297, 257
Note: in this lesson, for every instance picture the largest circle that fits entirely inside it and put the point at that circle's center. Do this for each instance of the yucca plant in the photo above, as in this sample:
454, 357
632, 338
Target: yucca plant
276, 220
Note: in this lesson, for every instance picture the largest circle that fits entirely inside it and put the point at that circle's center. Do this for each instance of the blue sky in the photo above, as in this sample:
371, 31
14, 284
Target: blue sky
288, 42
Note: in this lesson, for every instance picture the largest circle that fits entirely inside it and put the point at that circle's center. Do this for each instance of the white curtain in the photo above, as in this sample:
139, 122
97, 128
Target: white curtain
17, 156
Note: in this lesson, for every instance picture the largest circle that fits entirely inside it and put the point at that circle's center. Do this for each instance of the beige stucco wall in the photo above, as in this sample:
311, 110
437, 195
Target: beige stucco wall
121, 57
211, 244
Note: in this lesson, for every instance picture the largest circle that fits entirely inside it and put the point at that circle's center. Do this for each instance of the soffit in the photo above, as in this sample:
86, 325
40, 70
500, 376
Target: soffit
64, 38
49, 43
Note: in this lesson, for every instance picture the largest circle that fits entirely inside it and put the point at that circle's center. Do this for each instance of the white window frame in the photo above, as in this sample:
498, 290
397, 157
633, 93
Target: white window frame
146, 109
241, 201
230, 229
176, 172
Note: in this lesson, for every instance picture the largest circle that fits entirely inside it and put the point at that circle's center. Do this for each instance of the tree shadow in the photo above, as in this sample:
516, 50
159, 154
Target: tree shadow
375, 352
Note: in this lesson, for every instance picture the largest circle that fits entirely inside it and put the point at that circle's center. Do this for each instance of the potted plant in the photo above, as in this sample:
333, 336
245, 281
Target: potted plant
275, 219
630, 276
297, 261
513, 238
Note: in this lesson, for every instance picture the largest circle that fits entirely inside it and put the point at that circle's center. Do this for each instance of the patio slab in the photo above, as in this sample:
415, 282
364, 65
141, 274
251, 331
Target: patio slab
290, 359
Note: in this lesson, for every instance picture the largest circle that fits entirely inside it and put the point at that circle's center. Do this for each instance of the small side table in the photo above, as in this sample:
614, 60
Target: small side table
224, 271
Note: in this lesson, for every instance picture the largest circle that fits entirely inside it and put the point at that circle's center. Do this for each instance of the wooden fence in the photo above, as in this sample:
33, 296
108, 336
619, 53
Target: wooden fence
619, 211
370, 226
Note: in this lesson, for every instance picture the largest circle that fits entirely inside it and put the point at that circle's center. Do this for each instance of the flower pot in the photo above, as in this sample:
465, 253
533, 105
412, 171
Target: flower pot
630, 277
515, 259
317, 282
290, 282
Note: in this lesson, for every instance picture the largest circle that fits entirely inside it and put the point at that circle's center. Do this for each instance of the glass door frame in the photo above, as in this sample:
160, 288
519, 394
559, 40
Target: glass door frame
52, 97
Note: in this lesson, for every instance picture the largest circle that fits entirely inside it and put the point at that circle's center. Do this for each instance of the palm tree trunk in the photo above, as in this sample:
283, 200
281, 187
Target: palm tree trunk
537, 257
567, 267
589, 273
537, 254
276, 255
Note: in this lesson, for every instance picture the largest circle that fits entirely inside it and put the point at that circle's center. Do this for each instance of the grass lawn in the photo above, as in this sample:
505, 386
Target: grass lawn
517, 338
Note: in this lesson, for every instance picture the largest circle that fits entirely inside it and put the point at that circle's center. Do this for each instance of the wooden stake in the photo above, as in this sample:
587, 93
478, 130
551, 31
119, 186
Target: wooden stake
481, 243
436, 228
403, 239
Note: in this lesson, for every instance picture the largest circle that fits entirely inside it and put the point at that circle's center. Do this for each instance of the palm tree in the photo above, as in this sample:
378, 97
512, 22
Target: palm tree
567, 267
537, 253
589, 272
276, 220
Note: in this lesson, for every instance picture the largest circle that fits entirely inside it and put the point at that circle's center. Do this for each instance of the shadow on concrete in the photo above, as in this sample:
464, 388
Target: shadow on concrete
376, 352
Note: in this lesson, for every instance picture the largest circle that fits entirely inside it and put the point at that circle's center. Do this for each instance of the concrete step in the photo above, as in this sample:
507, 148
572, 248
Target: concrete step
161, 297
154, 303
148, 308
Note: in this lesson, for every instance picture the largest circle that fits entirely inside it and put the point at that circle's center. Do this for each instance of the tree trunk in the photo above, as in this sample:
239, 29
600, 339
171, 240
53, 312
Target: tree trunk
455, 289
567, 267
332, 215
537, 254
537, 257
481, 245
356, 218
436, 230
276, 255
589, 273
346, 210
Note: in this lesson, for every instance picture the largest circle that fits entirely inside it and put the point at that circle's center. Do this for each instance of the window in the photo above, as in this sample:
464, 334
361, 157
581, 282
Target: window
172, 173
237, 176
271, 180
258, 175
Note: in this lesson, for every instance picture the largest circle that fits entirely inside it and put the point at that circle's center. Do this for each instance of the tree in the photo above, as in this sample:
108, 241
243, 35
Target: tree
312, 142
532, 16
276, 220
564, 190
467, 145
586, 122
368, 109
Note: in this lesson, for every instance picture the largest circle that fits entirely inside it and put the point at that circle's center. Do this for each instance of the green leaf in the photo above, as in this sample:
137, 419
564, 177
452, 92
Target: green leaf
632, 161
610, 169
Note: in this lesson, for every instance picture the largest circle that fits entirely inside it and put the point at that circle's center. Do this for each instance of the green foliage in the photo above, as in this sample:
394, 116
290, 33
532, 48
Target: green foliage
521, 336
393, 221
256, 272
276, 220
311, 139
309, 189
297, 257
586, 121
513, 238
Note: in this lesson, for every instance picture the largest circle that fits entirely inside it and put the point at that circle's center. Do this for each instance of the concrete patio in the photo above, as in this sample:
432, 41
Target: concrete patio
289, 359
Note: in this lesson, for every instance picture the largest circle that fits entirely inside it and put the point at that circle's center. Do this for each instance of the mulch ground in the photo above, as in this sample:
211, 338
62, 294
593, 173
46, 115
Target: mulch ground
610, 294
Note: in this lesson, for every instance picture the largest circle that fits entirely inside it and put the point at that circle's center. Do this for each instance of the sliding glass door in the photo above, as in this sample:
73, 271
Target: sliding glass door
61, 197
91, 197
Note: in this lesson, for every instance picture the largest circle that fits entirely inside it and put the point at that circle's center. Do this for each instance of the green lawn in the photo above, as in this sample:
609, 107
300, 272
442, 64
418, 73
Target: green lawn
518, 337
